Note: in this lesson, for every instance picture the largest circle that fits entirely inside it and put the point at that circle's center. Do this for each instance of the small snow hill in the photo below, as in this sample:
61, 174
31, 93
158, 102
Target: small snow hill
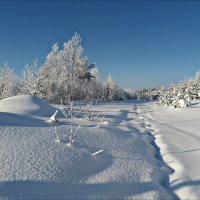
24, 109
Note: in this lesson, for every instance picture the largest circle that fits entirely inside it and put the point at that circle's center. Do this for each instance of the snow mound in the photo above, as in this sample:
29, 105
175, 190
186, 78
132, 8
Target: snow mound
26, 105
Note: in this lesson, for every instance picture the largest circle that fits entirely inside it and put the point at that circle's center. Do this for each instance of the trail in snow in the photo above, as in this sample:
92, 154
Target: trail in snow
117, 161
177, 134
129, 121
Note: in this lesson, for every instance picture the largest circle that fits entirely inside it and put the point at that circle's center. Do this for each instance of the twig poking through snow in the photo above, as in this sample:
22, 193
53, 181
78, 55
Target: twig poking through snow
97, 152
53, 117
55, 121
70, 113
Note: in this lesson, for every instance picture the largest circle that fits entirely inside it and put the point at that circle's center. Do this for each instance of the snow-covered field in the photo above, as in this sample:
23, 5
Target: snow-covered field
118, 160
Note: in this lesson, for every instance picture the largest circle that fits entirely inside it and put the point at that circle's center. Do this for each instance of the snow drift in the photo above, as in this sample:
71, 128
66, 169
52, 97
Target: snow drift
26, 104
24, 110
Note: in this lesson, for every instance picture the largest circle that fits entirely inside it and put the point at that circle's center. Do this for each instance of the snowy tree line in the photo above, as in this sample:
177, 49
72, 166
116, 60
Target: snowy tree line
176, 96
181, 94
66, 74
142, 94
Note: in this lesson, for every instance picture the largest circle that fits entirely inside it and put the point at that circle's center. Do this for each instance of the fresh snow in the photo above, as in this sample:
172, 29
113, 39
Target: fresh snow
119, 160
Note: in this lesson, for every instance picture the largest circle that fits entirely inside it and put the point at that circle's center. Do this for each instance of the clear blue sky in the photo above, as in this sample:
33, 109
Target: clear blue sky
141, 43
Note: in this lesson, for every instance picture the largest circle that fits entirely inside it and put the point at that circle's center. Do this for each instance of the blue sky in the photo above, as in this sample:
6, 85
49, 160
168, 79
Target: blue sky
141, 43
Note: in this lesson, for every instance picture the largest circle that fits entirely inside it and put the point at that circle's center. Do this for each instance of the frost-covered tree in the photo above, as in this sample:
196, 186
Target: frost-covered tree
52, 75
30, 83
130, 93
109, 85
96, 86
111, 90
76, 65
67, 74
8, 82
95, 73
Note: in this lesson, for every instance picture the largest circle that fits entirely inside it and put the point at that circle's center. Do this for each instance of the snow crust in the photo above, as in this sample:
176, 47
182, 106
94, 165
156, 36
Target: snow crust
117, 161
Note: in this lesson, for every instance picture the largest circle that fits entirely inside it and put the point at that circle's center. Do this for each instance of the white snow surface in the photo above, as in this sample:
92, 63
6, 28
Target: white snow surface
177, 133
117, 161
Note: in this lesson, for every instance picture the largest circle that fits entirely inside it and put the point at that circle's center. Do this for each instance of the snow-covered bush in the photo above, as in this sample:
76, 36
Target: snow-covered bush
70, 113
82, 112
